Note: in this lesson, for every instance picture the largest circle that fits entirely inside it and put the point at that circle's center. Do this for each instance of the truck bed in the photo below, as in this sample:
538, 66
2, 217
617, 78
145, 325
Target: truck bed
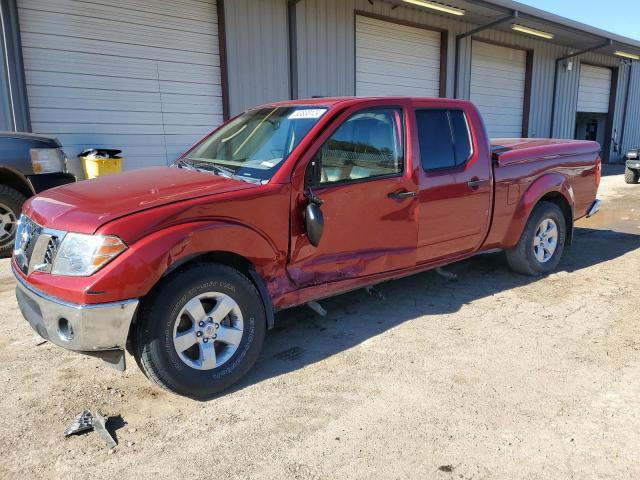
518, 162
510, 151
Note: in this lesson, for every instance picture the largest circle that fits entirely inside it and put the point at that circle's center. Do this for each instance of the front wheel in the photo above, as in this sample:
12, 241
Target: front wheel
542, 242
201, 331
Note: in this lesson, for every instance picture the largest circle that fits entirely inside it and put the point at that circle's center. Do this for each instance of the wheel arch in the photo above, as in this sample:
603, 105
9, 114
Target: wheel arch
558, 199
16, 180
218, 257
233, 260
552, 187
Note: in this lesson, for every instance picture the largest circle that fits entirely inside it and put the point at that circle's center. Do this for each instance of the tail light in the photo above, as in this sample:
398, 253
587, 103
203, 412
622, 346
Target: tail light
598, 170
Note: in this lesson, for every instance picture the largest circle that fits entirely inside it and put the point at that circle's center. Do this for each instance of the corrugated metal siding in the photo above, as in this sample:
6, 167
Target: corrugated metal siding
326, 40
619, 113
6, 112
257, 44
394, 59
143, 76
497, 87
631, 136
566, 100
544, 57
326, 59
567, 91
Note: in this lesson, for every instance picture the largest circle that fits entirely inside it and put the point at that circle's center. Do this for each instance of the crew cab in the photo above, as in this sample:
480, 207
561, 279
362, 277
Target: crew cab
286, 204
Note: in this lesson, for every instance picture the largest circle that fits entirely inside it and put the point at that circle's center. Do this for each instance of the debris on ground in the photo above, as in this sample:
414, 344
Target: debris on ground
81, 423
374, 292
87, 421
316, 307
446, 274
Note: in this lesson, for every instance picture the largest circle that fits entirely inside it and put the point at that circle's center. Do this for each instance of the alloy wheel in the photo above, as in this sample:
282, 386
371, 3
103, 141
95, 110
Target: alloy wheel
208, 330
8, 223
545, 240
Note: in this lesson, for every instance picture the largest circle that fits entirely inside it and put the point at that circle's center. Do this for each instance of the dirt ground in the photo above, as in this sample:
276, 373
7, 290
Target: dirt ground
493, 376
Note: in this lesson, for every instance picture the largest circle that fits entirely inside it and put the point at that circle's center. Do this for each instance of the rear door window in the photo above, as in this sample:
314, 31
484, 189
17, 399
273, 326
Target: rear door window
444, 138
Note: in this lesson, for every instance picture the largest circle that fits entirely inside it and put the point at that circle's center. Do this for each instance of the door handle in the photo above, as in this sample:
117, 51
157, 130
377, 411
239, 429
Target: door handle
476, 183
401, 195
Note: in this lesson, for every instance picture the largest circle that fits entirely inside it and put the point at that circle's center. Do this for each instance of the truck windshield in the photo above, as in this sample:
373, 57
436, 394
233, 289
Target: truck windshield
254, 145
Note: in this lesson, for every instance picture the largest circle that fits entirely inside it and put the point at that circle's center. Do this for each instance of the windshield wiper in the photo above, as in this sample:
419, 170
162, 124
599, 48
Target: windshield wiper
204, 166
223, 172
182, 163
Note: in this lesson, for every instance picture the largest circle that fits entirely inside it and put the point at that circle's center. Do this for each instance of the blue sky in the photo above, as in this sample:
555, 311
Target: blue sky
617, 16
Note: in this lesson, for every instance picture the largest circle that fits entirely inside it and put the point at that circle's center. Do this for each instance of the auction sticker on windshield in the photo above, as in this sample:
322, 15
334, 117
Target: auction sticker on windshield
307, 113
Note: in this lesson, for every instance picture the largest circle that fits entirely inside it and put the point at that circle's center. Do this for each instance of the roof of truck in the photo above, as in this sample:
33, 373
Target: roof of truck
332, 101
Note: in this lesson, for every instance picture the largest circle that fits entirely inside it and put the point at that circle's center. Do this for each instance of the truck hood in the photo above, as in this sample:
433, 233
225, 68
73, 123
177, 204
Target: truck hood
85, 206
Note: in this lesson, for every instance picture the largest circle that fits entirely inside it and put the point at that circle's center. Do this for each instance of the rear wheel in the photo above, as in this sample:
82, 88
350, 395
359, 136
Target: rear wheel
10, 207
631, 176
201, 331
542, 242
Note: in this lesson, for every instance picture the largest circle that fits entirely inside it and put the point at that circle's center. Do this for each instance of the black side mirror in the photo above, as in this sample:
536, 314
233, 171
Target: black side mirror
314, 220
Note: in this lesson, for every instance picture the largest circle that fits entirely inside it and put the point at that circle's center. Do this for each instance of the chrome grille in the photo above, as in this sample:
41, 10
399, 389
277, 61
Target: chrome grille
50, 252
35, 247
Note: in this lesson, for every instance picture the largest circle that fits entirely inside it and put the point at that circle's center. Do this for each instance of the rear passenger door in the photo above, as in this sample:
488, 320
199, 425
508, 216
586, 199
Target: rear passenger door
362, 174
455, 192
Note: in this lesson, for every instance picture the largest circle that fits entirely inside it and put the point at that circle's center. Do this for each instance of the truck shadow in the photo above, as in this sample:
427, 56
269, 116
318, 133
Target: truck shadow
609, 169
301, 337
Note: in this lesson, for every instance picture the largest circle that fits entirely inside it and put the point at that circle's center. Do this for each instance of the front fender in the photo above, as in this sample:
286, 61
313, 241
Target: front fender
545, 184
162, 250
134, 273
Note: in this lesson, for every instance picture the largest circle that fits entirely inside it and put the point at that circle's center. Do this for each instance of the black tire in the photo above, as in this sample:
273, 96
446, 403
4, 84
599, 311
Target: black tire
153, 336
631, 176
521, 258
11, 202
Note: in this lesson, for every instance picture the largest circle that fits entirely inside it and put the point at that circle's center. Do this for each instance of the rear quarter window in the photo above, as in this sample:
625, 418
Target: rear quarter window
444, 138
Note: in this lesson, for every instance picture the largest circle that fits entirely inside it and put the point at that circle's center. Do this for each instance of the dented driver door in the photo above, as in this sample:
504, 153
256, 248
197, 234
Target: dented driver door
362, 174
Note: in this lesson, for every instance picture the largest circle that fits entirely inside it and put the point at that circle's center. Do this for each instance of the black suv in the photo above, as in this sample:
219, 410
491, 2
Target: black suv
29, 164
632, 166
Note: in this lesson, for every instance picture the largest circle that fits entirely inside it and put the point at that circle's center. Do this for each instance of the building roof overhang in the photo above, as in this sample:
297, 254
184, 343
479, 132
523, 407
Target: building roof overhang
567, 32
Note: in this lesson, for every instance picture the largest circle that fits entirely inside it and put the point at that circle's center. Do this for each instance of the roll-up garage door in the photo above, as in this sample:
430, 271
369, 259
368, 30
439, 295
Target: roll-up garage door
142, 76
393, 59
497, 87
594, 89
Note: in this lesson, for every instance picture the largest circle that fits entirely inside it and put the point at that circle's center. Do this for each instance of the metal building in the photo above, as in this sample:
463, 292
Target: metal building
152, 76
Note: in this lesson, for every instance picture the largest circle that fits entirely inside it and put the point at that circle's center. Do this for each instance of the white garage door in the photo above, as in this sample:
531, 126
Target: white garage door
497, 87
593, 89
394, 59
142, 76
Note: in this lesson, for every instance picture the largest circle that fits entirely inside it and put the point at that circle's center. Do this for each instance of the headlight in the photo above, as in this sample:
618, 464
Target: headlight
81, 255
48, 160
632, 155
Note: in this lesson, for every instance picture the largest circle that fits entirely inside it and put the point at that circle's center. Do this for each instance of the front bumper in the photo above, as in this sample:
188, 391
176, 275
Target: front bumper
81, 328
633, 164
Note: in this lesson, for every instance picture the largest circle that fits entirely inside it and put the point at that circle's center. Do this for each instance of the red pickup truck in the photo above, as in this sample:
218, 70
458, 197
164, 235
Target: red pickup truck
283, 205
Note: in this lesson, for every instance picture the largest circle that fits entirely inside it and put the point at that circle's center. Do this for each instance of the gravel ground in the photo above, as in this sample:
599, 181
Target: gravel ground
493, 376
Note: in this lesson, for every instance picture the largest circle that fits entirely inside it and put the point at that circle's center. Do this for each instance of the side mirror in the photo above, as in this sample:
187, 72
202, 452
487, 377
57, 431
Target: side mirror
314, 223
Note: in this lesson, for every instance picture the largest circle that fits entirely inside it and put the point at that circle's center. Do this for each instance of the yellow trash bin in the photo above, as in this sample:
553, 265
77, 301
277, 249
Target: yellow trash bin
98, 162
